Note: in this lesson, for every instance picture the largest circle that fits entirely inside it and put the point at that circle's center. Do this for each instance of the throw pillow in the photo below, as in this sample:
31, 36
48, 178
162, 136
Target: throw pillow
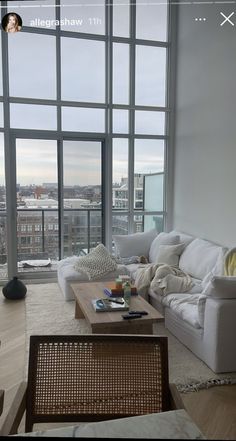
183, 237
97, 263
199, 258
169, 254
136, 244
161, 239
221, 287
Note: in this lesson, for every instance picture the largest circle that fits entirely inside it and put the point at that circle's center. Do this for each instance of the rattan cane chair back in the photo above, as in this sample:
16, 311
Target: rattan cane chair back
95, 377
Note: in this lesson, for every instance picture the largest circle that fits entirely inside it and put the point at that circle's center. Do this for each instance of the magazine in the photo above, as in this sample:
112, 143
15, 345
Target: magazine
117, 304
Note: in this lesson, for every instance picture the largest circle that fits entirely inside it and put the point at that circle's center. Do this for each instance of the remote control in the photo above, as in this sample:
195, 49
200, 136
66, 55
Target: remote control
120, 302
138, 312
131, 316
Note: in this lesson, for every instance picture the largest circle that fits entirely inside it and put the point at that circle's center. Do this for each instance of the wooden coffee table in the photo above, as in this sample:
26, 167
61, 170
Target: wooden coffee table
112, 322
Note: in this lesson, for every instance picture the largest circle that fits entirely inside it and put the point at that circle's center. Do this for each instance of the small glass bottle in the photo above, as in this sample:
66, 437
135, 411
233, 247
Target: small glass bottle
127, 292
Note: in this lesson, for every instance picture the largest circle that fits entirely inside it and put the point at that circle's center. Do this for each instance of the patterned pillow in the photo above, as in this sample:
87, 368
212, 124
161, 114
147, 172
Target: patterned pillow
97, 263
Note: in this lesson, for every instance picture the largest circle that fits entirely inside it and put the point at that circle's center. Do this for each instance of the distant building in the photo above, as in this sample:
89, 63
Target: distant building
37, 218
40, 203
120, 202
75, 203
38, 230
120, 194
50, 184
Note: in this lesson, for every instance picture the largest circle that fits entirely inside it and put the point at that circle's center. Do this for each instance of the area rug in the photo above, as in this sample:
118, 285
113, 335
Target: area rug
47, 313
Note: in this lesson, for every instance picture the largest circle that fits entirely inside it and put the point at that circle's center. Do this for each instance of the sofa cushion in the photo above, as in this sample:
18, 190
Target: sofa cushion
137, 244
221, 287
199, 258
161, 239
197, 286
183, 238
169, 254
184, 306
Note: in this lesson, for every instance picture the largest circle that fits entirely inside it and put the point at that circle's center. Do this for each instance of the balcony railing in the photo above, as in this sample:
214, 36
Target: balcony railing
38, 232
38, 235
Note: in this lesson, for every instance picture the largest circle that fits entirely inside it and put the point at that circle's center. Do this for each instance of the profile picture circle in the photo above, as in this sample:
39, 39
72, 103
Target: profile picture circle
12, 22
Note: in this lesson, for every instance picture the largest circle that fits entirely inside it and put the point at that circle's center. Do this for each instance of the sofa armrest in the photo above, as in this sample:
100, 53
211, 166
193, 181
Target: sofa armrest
219, 334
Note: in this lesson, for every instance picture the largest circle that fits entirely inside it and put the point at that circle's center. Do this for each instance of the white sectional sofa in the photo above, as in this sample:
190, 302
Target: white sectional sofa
204, 318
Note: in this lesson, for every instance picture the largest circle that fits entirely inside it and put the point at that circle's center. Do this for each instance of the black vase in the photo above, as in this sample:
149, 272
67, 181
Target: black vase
14, 289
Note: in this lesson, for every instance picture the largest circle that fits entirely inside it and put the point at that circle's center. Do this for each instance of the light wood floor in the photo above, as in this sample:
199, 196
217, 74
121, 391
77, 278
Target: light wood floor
213, 410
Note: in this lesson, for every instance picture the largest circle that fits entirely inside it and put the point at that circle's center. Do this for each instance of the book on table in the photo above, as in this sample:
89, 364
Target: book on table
111, 291
117, 304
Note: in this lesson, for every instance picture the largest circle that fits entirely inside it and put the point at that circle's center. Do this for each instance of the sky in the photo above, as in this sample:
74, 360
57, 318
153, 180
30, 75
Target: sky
32, 74
36, 160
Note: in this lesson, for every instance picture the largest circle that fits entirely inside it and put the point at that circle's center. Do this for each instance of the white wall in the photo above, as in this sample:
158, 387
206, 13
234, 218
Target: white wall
205, 144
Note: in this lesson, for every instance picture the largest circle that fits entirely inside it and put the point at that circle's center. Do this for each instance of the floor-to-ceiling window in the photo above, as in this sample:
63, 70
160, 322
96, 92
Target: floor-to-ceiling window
139, 102
83, 110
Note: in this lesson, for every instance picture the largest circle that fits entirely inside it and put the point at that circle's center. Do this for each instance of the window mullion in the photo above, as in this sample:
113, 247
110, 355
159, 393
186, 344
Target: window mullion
131, 115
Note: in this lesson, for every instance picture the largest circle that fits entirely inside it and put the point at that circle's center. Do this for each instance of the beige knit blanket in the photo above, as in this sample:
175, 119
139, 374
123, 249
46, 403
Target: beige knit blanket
163, 279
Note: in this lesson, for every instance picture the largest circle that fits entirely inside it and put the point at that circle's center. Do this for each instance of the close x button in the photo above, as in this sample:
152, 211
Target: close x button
227, 19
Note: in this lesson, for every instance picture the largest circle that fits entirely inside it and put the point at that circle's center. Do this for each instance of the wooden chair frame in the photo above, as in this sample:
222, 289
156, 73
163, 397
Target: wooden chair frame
93, 378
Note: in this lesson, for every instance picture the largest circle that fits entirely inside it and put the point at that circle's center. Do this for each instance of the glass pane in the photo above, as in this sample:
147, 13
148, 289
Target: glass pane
95, 228
138, 190
151, 20
75, 232
119, 225
82, 196
120, 174
38, 14
82, 231
3, 222
32, 116
83, 79
150, 76
138, 224
1, 90
148, 159
148, 222
120, 73
51, 242
83, 16
149, 123
82, 119
154, 221
121, 18
153, 192
120, 121
149, 156
33, 57
1, 114
82, 169
37, 203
